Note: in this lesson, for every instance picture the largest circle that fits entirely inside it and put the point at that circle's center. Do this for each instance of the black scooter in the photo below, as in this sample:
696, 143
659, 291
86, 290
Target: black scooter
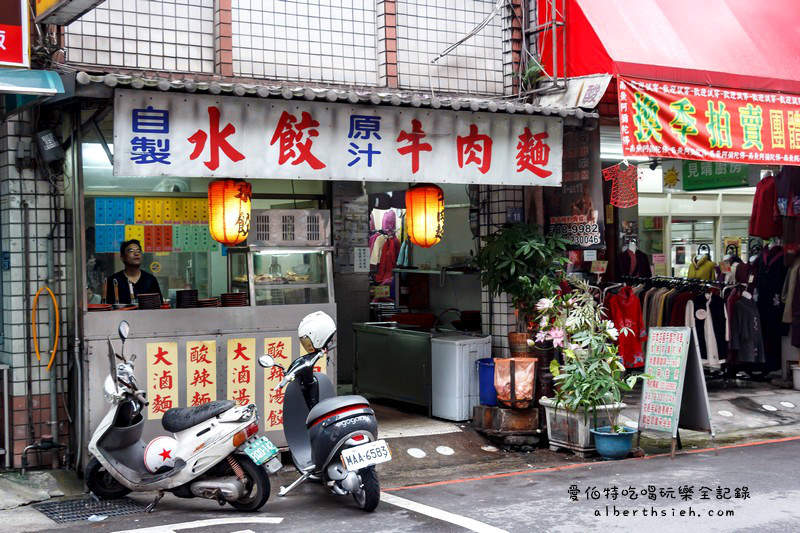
332, 439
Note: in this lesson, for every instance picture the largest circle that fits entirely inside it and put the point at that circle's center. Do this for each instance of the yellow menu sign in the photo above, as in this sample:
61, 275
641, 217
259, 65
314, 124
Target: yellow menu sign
201, 372
162, 378
241, 359
280, 348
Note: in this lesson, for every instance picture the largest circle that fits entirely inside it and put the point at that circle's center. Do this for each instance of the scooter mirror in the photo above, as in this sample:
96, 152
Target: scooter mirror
266, 361
124, 330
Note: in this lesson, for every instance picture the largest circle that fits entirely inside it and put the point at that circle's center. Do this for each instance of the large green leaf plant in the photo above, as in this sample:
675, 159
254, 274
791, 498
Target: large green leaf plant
592, 373
522, 262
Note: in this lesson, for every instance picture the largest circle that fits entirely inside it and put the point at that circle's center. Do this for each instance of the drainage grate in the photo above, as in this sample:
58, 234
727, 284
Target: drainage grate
81, 509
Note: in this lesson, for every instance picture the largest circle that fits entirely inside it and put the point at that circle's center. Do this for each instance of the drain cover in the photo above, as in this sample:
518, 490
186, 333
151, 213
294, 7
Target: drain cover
81, 509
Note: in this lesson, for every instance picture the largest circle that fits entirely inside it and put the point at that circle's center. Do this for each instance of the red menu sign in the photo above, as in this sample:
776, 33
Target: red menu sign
680, 121
14, 34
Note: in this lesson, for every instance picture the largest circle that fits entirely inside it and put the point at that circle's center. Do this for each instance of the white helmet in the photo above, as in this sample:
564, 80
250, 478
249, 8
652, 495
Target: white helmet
316, 331
160, 452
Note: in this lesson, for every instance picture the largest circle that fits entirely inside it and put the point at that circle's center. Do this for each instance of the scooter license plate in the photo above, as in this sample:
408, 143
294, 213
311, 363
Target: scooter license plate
261, 450
372, 453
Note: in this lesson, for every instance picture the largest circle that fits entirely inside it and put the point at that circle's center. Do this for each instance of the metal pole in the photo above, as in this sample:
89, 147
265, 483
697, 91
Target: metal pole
53, 383
28, 326
76, 224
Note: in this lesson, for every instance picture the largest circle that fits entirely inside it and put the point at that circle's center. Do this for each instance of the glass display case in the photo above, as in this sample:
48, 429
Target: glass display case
282, 276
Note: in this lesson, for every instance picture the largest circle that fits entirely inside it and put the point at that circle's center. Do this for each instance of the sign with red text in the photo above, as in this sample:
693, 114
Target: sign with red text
669, 120
162, 378
164, 134
280, 349
201, 372
674, 395
241, 359
14, 34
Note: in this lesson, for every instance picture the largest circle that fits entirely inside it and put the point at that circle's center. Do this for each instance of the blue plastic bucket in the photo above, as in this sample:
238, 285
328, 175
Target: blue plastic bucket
488, 394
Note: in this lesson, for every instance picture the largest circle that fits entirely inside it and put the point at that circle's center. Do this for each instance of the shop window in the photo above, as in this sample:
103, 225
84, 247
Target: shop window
689, 236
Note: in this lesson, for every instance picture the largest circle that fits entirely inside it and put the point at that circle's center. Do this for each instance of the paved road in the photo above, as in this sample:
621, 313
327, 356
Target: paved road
537, 500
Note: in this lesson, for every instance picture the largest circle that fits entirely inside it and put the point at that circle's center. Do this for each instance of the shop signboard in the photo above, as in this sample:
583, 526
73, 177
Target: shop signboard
674, 395
15, 34
209, 136
682, 121
63, 12
704, 175
575, 211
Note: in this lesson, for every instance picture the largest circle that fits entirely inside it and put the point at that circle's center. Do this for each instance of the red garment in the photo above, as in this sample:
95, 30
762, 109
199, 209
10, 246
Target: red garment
626, 312
765, 221
389, 254
678, 315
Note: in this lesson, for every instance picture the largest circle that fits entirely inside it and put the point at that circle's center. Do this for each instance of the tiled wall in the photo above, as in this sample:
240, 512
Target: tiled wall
317, 40
497, 312
427, 27
172, 35
18, 189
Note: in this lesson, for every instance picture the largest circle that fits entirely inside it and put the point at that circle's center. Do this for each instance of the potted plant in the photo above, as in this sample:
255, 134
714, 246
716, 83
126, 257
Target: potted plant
515, 260
590, 381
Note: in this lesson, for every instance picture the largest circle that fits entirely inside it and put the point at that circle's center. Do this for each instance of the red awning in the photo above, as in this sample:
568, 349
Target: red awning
742, 44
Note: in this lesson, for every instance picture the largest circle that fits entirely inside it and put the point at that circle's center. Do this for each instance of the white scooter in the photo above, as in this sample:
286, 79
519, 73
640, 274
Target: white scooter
218, 454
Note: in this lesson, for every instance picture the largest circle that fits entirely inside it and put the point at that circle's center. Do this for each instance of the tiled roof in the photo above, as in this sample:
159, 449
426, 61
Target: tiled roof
353, 96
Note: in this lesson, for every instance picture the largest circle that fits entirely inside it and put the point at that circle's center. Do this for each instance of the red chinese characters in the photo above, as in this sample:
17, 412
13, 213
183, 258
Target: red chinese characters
294, 142
162, 386
415, 144
239, 352
533, 153
241, 370
275, 350
201, 372
476, 149
217, 140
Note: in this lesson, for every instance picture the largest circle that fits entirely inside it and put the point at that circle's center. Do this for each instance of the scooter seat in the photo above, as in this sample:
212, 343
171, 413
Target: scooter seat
330, 405
180, 418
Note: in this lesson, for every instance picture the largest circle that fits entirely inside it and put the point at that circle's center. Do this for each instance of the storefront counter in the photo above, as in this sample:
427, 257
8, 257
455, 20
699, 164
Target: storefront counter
192, 356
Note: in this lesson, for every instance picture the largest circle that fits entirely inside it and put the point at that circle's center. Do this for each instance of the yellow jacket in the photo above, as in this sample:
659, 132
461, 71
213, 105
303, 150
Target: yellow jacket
703, 269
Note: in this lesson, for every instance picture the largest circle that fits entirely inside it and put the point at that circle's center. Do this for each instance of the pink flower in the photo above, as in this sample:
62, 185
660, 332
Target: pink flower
541, 337
557, 336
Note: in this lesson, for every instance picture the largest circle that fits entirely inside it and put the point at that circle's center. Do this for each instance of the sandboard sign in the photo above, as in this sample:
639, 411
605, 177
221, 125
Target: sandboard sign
675, 395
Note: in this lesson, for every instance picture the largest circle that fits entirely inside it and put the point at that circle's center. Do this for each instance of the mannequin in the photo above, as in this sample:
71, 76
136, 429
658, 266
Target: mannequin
702, 266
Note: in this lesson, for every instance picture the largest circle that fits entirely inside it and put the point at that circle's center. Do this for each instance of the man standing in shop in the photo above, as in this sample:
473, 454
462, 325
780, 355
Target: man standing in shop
124, 286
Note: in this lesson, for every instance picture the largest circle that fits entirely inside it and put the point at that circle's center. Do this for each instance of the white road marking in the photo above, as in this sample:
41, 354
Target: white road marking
489, 448
445, 450
725, 413
244, 531
416, 453
439, 514
632, 424
769, 407
170, 528
790, 405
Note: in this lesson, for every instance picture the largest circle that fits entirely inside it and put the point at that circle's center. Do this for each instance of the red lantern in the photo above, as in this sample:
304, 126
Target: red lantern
425, 215
229, 210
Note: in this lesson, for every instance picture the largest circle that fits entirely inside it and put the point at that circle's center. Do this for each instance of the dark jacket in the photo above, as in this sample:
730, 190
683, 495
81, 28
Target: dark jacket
146, 284
770, 275
746, 334
636, 265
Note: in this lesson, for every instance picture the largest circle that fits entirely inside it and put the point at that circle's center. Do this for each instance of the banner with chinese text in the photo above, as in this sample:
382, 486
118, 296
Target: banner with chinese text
15, 34
165, 134
201, 372
241, 358
162, 378
665, 362
280, 349
661, 119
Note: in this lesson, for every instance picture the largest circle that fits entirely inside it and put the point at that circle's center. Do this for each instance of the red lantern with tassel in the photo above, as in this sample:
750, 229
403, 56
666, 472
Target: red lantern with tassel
229, 210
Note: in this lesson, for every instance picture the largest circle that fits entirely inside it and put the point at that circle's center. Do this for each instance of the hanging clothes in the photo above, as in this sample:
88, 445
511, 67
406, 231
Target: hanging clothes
769, 279
707, 317
765, 219
747, 342
634, 264
702, 268
626, 313
787, 294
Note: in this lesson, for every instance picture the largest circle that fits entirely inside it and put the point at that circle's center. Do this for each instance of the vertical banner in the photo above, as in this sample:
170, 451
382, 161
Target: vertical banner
201, 372
241, 359
575, 210
280, 349
162, 378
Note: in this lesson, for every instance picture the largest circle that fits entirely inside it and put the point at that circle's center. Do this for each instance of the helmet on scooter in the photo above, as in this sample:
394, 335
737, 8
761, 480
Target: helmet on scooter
316, 331
160, 452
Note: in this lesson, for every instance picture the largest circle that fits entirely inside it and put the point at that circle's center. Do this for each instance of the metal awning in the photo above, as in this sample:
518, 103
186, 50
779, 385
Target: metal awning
31, 82
352, 96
